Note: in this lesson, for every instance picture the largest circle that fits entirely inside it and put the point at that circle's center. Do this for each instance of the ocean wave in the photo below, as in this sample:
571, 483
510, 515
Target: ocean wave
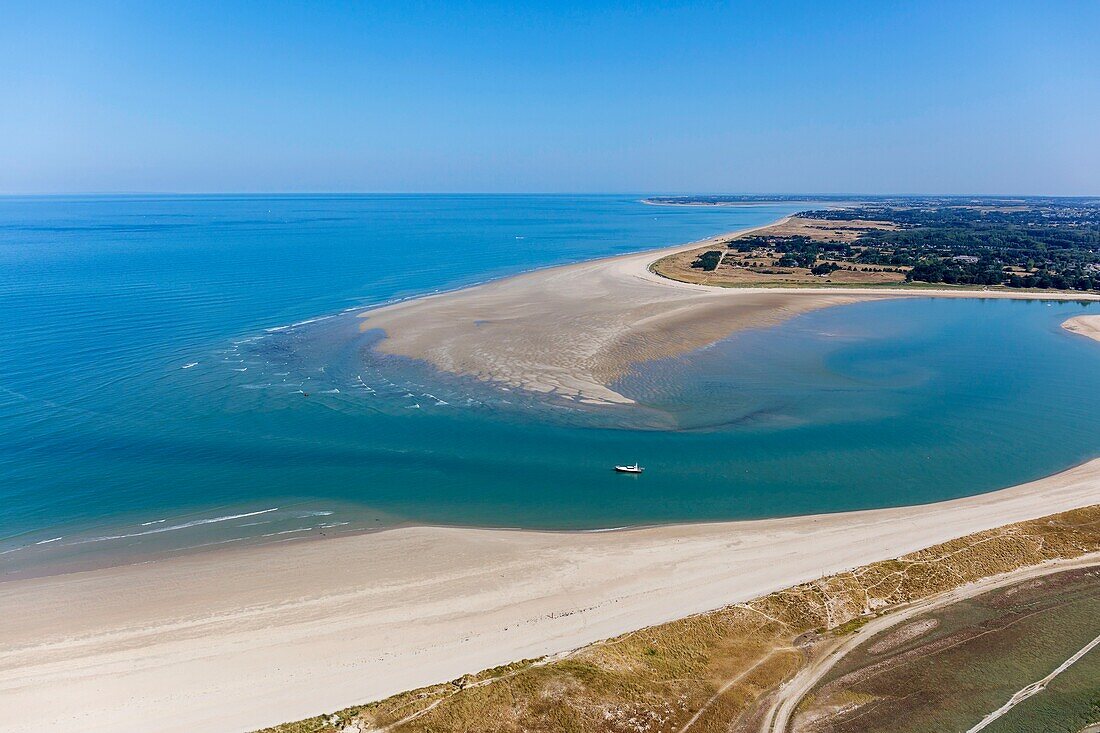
306, 322
174, 527
287, 531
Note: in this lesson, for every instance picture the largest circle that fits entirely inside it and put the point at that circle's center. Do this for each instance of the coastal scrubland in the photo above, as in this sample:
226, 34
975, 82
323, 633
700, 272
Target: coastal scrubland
724, 670
1013, 245
768, 258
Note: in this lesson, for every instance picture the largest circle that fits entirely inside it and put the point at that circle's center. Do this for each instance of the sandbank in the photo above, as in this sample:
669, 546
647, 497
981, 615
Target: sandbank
1085, 325
573, 330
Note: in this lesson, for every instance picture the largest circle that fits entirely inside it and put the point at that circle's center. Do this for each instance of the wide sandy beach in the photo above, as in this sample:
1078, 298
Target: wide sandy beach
236, 639
573, 330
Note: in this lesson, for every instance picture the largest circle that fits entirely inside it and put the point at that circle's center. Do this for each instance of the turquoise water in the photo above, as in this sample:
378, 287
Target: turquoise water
186, 371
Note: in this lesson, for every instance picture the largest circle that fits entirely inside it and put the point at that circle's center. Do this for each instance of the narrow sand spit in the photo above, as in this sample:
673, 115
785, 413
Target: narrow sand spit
237, 639
1084, 325
573, 330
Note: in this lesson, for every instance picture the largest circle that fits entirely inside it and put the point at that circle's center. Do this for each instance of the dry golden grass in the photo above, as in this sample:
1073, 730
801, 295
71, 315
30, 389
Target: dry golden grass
824, 230
656, 679
758, 270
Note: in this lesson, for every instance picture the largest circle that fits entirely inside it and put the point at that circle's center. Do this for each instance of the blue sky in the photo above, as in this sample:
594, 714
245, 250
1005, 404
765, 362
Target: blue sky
877, 97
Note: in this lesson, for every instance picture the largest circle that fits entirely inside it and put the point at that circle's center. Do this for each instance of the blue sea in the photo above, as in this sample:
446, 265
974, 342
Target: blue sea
185, 372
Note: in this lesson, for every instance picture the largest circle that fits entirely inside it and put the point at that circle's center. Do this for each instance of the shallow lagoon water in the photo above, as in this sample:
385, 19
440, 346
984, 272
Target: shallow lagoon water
185, 372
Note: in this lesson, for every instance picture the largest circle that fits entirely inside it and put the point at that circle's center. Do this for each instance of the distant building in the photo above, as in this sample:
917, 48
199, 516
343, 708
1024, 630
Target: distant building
968, 259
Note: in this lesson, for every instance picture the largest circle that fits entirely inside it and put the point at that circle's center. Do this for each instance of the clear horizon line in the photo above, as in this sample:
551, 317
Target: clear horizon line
804, 194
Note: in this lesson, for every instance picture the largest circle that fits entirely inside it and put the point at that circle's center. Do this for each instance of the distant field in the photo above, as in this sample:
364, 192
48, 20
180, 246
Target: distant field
947, 669
760, 267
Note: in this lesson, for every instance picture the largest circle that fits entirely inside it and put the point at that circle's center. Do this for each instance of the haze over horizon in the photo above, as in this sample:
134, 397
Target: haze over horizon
994, 98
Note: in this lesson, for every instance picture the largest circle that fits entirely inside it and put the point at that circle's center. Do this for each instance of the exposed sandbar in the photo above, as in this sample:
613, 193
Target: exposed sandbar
237, 639
573, 330
1084, 325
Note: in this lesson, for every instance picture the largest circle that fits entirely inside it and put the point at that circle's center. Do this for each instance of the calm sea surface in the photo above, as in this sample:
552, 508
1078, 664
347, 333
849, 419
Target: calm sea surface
180, 372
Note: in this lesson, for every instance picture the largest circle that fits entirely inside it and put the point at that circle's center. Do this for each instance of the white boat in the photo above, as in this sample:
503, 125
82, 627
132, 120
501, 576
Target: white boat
629, 469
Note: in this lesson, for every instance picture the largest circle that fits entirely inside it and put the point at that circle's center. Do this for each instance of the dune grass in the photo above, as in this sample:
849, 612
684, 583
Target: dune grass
655, 680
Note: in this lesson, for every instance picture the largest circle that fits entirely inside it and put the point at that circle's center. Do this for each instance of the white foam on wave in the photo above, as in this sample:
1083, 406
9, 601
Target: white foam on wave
46, 542
306, 322
320, 513
189, 365
312, 320
174, 527
286, 531
211, 544
155, 521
